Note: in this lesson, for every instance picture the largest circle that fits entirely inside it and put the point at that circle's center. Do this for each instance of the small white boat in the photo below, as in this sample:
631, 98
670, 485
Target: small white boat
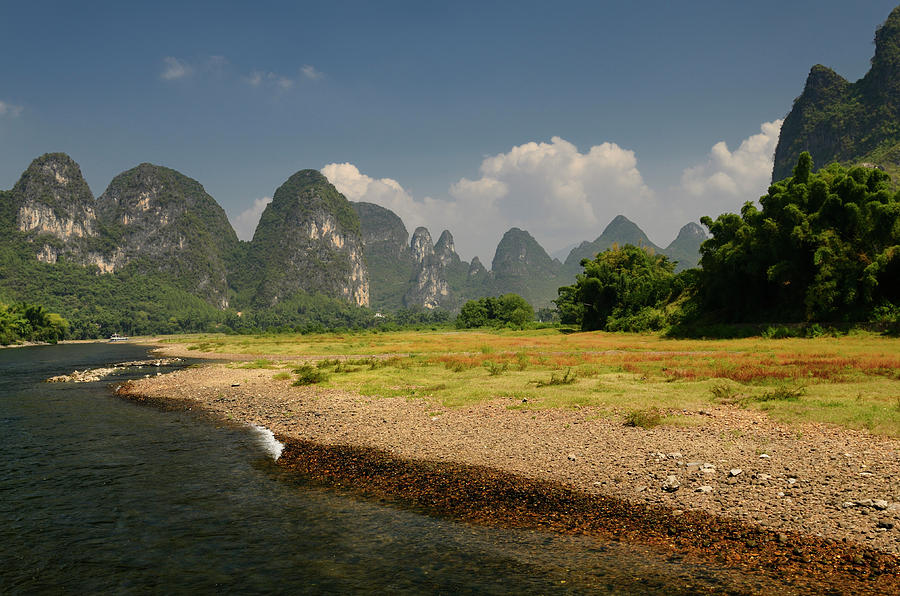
117, 337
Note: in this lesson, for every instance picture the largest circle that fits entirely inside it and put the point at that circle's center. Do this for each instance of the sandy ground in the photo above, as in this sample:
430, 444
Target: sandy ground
815, 479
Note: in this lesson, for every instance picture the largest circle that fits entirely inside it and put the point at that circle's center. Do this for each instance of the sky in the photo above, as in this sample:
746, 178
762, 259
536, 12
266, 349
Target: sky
468, 116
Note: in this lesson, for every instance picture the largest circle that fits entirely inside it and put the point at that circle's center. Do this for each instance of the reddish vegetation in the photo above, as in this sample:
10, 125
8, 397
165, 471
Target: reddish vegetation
750, 368
743, 367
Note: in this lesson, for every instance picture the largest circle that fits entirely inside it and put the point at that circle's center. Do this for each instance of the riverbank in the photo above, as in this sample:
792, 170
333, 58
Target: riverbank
797, 500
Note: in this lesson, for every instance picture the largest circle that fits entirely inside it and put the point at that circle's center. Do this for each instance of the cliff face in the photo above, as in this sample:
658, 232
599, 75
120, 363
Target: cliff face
848, 122
167, 223
309, 239
53, 207
388, 255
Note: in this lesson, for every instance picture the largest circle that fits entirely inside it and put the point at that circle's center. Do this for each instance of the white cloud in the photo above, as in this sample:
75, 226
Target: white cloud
245, 223
310, 72
556, 192
550, 189
173, 68
8, 109
356, 186
742, 173
258, 77
727, 179
255, 78
562, 195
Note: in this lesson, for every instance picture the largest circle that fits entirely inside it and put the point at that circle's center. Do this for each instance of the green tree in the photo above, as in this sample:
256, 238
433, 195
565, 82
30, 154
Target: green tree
824, 247
508, 309
622, 287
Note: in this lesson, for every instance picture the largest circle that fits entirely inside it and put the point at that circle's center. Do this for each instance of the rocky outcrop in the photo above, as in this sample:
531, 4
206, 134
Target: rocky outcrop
429, 288
445, 250
835, 120
53, 208
309, 240
477, 270
166, 223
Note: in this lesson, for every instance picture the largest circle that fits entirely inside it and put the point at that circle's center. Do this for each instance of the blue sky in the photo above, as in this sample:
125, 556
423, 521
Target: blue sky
475, 116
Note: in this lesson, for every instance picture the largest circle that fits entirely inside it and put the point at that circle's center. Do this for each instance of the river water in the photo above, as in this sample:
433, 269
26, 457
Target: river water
98, 494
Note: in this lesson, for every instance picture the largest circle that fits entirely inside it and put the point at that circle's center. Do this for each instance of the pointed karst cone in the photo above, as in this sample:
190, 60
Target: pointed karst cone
309, 240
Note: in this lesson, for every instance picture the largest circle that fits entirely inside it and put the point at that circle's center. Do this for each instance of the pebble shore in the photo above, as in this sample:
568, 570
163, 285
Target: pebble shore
838, 489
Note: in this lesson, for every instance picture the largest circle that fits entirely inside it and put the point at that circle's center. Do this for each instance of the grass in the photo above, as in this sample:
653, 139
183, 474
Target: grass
646, 418
851, 380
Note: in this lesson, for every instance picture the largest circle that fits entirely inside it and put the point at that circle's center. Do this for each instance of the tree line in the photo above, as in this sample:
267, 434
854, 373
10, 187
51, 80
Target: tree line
30, 322
823, 248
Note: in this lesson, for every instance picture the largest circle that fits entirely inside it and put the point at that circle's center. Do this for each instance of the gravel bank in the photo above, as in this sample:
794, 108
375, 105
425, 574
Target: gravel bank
837, 485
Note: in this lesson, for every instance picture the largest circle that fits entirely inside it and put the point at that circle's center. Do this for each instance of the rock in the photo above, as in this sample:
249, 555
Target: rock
704, 489
735, 472
674, 455
572, 457
765, 456
886, 525
863, 502
880, 504
671, 484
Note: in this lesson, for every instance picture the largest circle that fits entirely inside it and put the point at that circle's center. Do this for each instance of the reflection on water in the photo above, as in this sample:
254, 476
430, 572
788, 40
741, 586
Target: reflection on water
103, 495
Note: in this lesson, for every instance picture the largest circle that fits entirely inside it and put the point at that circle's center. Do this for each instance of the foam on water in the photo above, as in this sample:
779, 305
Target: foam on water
268, 441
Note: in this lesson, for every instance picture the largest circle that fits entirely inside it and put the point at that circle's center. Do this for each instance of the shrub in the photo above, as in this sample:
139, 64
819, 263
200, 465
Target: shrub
724, 393
309, 375
782, 393
566, 379
495, 368
646, 418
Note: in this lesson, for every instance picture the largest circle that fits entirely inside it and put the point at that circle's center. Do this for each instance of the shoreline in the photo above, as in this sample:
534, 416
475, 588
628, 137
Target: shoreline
490, 464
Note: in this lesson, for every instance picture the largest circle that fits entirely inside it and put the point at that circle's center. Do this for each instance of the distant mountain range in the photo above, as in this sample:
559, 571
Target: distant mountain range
154, 221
